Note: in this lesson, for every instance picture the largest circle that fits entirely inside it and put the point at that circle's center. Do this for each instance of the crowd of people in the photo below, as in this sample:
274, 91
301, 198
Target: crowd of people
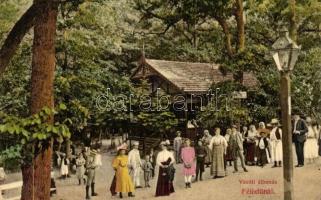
83, 164
251, 146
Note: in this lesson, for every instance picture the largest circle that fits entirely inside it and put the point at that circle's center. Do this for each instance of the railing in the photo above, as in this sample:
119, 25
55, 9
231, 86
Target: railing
10, 186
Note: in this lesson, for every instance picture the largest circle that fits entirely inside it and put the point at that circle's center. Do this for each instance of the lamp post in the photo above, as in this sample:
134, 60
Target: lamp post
285, 54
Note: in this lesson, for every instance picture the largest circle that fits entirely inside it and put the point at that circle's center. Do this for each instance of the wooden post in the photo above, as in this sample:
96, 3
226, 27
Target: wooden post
287, 135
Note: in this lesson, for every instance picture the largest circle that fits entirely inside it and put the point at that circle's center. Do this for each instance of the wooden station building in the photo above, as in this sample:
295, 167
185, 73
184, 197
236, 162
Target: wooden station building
184, 79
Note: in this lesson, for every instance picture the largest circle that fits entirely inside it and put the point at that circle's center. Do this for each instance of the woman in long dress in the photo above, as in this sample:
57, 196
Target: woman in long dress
165, 160
218, 146
64, 168
188, 158
124, 183
250, 140
228, 157
319, 143
206, 139
311, 144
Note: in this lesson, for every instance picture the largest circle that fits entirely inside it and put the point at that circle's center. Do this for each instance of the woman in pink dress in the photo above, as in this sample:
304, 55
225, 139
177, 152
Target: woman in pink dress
188, 158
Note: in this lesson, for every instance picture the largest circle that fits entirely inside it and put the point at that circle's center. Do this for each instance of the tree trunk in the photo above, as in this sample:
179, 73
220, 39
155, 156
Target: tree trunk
16, 35
68, 147
239, 15
293, 24
228, 36
36, 175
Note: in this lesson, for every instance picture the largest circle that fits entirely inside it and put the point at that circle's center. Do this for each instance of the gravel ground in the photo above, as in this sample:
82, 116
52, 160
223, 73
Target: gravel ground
307, 181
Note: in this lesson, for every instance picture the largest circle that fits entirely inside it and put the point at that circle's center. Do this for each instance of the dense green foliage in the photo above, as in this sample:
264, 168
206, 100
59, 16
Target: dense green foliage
99, 43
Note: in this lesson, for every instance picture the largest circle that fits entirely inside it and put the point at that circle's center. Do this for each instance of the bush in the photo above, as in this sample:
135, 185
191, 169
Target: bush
10, 158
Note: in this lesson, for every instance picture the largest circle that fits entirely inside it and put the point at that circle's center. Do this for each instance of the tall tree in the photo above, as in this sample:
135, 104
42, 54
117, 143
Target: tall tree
36, 174
293, 21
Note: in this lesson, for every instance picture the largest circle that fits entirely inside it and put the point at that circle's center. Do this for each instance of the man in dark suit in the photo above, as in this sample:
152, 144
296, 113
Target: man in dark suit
299, 129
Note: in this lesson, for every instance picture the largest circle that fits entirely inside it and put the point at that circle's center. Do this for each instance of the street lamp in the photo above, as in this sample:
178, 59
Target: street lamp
285, 53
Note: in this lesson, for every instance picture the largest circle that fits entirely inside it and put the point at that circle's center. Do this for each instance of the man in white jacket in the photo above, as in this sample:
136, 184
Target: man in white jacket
135, 164
276, 143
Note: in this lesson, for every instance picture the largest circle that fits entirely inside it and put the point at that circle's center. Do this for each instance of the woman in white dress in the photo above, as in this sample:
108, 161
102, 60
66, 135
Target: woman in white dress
311, 144
64, 168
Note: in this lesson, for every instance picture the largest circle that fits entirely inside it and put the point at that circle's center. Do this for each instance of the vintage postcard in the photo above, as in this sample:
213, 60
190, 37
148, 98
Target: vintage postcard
160, 99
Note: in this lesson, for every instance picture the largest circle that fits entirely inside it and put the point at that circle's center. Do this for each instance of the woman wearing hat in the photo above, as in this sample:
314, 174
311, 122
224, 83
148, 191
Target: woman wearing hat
124, 183
311, 144
165, 160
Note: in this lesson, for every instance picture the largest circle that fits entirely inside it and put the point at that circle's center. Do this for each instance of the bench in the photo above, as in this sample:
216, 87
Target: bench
10, 186
17, 185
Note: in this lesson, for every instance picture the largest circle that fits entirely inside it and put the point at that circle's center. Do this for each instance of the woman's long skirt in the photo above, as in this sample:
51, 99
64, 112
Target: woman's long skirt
217, 168
112, 188
80, 172
228, 156
250, 152
208, 157
319, 143
164, 185
311, 148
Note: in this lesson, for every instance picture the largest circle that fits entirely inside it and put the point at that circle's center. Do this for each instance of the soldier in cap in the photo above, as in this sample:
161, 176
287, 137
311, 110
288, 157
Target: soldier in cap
91, 171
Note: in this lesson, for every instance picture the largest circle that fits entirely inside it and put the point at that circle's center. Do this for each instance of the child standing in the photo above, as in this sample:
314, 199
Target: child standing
263, 149
80, 168
148, 170
201, 153
64, 168
152, 159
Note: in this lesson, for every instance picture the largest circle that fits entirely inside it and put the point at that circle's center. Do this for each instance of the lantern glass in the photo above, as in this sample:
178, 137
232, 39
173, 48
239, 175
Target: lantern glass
285, 52
294, 57
281, 58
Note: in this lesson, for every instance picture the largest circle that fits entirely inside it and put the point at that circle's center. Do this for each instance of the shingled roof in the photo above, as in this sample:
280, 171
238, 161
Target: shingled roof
189, 77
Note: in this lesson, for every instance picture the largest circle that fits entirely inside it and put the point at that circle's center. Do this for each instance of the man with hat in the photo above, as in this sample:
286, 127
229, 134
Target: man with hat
276, 143
299, 129
135, 164
91, 172
236, 142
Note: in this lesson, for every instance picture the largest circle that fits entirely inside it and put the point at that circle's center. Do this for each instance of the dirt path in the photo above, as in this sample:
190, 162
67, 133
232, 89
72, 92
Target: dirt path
307, 182
307, 185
